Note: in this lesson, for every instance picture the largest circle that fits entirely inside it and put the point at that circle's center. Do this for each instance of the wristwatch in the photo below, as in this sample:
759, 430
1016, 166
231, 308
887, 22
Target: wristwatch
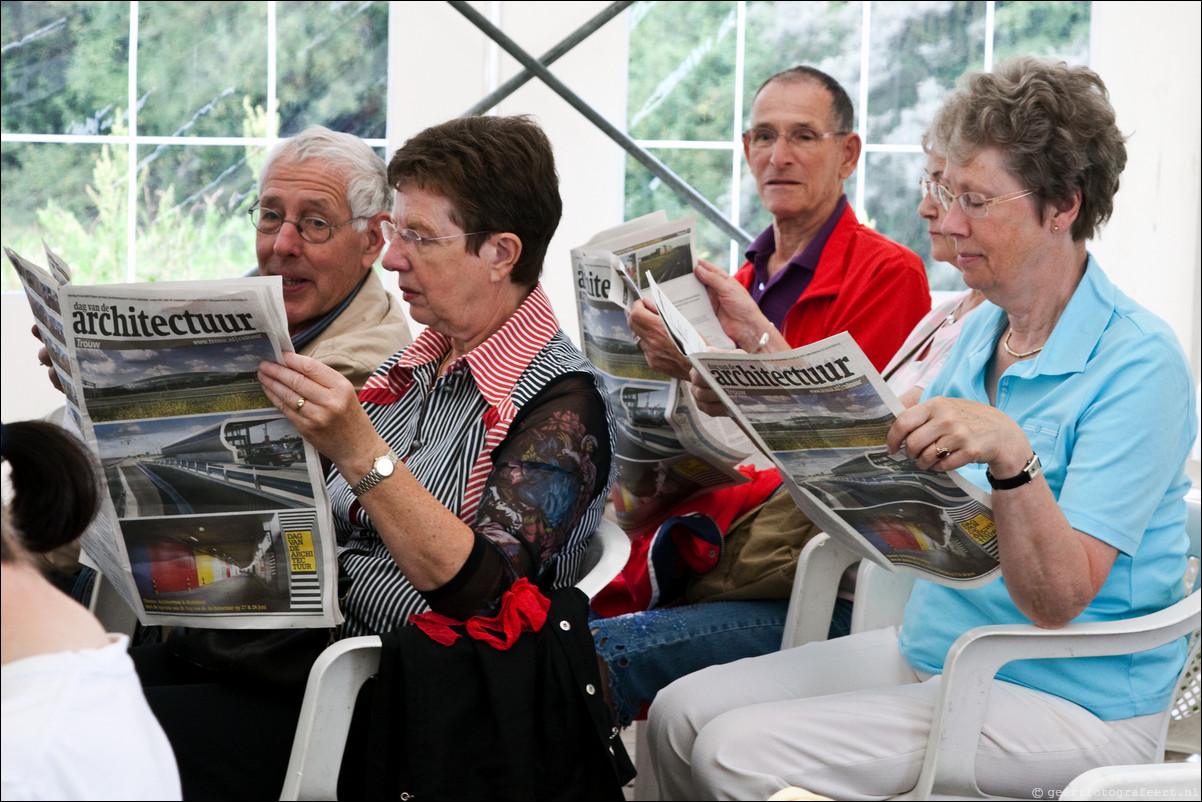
381, 469
1029, 472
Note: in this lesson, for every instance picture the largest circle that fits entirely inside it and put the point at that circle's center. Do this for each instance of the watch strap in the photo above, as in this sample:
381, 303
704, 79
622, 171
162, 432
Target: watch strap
1028, 472
373, 477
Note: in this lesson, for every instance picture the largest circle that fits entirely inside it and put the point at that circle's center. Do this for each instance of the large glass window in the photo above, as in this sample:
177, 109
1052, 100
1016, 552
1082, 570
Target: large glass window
161, 192
694, 68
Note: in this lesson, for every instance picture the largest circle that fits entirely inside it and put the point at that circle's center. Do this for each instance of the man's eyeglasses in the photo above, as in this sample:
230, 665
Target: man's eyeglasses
411, 237
975, 204
311, 229
801, 137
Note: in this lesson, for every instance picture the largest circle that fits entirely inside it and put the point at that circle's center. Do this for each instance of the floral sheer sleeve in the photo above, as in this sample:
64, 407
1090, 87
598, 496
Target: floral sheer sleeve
549, 480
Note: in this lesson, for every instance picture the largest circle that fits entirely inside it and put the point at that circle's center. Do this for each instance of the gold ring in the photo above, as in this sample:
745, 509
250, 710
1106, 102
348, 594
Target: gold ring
300, 402
941, 452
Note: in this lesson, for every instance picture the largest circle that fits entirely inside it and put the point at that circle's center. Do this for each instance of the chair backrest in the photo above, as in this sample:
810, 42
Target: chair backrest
880, 594
1183, 733
604, 557
110, 607
881, 597
325, 718
812, 600
341, 670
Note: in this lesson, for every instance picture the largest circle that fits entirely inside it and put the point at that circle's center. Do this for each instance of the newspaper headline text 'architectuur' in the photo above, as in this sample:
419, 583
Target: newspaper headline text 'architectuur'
108, 322
813, 376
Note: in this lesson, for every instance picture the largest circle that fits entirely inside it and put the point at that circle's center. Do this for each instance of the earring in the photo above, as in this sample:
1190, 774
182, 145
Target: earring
1055, 228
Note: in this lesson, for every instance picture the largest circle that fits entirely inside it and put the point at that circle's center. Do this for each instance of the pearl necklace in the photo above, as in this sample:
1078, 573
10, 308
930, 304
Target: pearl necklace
1015, 354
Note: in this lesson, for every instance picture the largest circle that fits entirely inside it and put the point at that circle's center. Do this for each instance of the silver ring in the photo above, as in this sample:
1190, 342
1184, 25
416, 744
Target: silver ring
300, 402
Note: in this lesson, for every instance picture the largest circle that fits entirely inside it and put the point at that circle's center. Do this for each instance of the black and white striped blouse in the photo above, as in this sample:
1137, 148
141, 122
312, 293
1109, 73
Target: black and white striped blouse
515, 439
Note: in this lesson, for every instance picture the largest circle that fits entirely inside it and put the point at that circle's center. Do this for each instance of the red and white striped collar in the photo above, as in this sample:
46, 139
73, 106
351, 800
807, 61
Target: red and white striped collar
496, 364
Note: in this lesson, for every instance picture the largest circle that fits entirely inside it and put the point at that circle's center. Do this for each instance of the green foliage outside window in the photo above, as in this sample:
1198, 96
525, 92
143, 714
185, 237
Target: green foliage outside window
202, 74
683, 66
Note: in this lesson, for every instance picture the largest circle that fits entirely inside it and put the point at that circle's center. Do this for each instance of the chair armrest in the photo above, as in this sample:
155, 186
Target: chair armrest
949, 769
325, 718
1166, 780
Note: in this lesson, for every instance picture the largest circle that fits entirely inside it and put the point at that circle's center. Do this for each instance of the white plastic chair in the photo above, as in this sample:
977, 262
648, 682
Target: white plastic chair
949, 768
1185, 734
1148, 781
341, 670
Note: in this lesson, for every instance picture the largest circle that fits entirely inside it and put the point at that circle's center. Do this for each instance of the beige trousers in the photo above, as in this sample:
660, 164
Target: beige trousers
849, 719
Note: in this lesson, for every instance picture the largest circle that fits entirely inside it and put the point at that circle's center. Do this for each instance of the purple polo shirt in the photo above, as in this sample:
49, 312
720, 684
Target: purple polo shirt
777, 295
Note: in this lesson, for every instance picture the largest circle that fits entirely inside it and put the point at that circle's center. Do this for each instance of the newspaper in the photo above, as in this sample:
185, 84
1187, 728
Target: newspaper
668, 450
821, 413
216, 513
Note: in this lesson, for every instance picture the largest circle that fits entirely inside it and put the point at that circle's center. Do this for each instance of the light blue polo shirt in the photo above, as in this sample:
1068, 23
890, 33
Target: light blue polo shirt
1108, 406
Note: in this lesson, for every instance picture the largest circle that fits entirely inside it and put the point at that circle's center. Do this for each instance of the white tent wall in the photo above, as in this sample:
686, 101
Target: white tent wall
426, 87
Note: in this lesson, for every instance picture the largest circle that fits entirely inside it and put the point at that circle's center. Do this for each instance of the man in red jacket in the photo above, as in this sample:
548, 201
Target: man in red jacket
816, 271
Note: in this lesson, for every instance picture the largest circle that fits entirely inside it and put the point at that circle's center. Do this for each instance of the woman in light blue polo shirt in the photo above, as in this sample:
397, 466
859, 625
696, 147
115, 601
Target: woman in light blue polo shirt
1075, 407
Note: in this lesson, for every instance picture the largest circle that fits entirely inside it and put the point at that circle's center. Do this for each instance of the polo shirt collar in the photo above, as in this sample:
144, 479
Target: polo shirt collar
765, 245
1077, 332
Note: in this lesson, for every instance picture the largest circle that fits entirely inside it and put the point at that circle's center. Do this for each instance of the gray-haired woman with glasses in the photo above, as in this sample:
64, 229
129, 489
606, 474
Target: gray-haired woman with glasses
1075, 407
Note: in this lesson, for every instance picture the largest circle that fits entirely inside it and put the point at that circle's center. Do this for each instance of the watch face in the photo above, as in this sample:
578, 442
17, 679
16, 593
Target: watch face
384, 465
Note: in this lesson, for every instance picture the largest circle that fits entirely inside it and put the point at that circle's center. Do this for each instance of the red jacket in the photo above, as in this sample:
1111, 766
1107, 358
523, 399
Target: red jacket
865, 284
689, 543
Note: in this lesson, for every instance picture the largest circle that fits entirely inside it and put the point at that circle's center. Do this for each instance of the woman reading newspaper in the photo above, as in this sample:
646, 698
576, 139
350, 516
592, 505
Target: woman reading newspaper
1060, 369
474, 463
738, 607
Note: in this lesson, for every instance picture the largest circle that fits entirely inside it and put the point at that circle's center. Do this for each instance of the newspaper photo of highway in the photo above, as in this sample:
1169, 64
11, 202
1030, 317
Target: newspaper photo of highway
204, 464
821, 413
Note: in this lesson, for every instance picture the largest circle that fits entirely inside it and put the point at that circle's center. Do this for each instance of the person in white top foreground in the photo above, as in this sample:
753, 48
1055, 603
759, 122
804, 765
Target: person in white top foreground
75, 722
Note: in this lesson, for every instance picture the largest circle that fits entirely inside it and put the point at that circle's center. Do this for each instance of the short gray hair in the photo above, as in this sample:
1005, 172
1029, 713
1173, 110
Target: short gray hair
1054, 126
843, 114
366, 175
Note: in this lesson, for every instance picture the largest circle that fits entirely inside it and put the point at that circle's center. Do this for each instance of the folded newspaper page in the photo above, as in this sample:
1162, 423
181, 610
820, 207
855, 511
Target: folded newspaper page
668, 450
216, 513
822, 412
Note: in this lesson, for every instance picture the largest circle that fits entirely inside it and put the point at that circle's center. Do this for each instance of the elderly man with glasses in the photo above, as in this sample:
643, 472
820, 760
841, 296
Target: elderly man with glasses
323, 196
816, 270
338, 310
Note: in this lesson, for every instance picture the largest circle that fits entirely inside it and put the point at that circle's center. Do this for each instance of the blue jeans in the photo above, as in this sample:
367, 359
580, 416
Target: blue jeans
646, 651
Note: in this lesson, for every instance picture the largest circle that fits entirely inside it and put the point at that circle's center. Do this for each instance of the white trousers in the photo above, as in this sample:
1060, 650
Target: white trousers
849, 719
